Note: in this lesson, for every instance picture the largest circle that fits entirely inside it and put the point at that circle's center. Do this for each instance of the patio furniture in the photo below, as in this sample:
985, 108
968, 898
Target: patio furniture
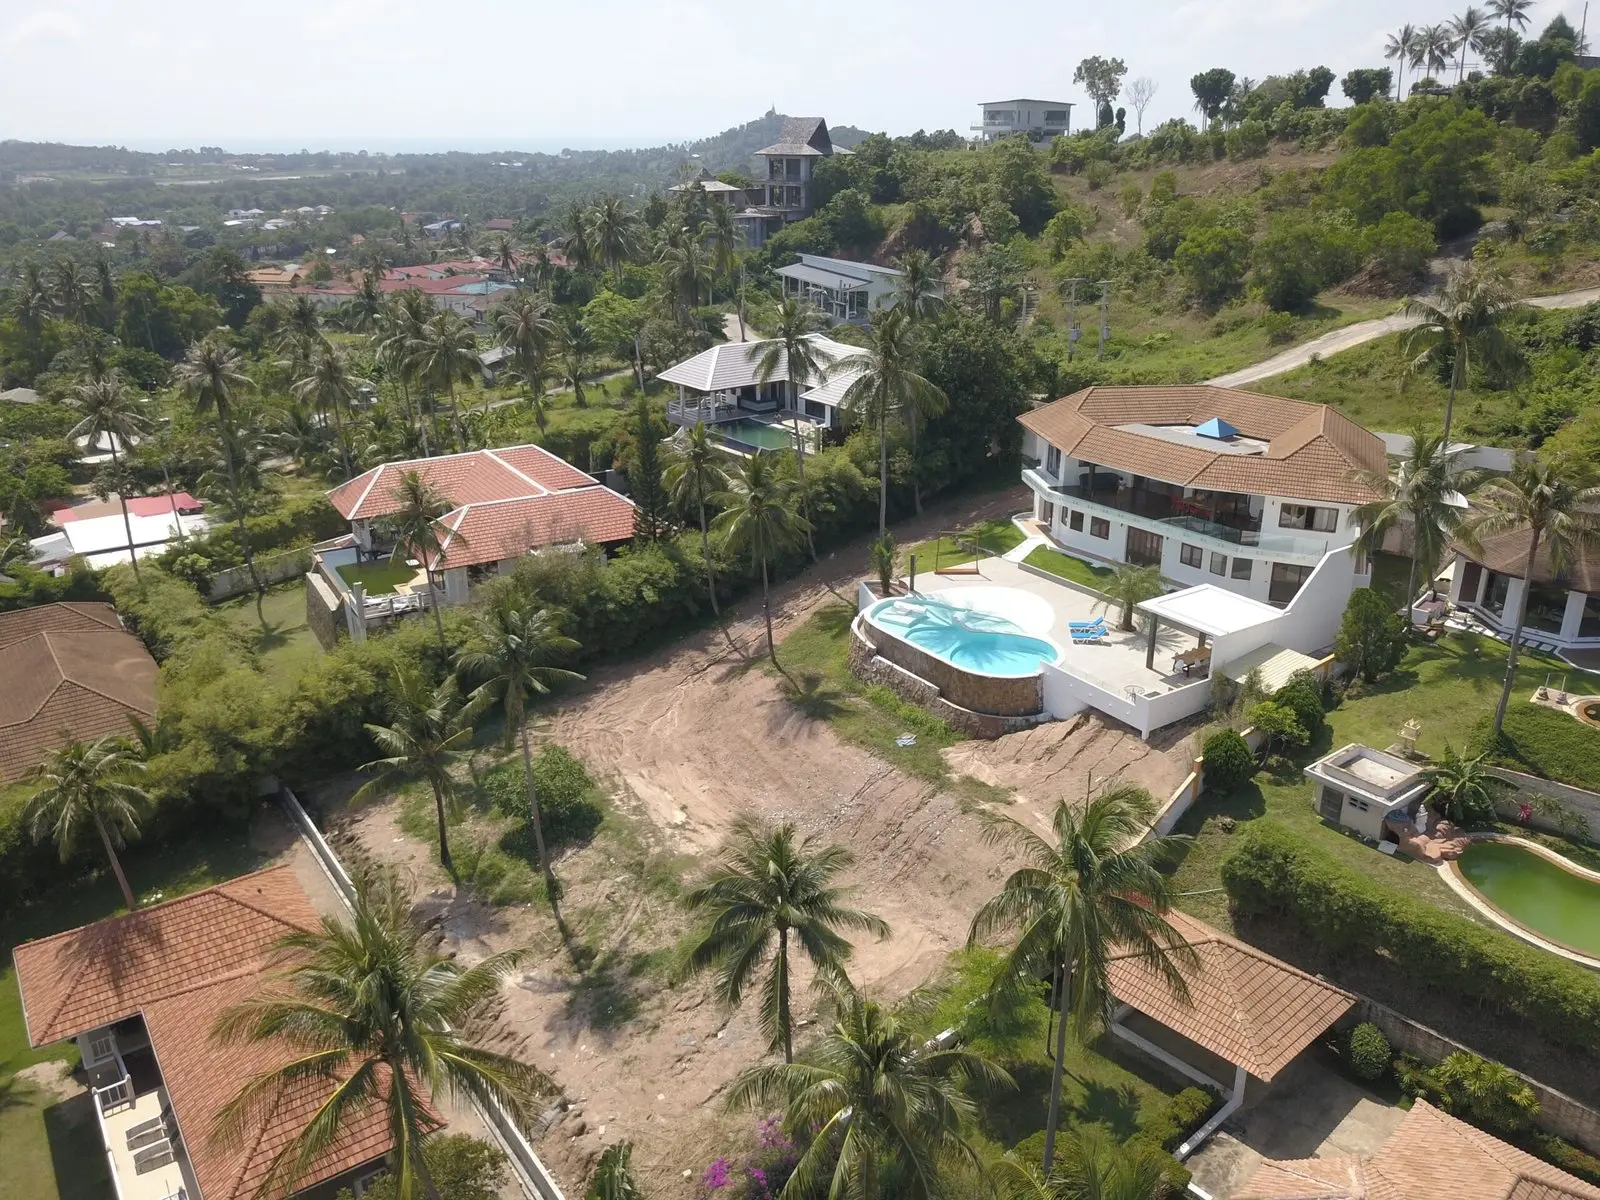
1188, 660
1097, 623
1088, 635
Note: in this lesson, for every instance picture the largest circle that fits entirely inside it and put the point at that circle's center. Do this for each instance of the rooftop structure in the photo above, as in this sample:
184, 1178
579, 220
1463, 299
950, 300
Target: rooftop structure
783, 183
842, 290
103, 541
1040, 120
1358, 788
721, 386
1563, 612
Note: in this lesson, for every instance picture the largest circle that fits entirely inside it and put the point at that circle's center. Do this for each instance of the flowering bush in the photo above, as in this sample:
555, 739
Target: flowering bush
762, 1173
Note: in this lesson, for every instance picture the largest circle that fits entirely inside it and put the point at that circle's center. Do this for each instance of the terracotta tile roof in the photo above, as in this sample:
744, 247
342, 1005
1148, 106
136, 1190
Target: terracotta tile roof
1507, 554
60, 617
64, 683
484, 533
1431, 1156
512, 473
1244, 1005
1312, 450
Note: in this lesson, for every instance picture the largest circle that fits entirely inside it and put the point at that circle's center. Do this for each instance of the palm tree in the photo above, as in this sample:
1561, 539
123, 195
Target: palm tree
331, 387
212, 376
612, 234
298, 434
1399, 48
689, 275
417, 536
525, 328
446, 353
767, 885
726, 240
888, 387
1514, 11
1433, 49
400, 329
362, 312
918, 291
758, 517
1096, 892
1462, 320
575, 359
374, 1010
82, 785
505, 254
613, 1174
1423, 493
1129, 585
72, 290
105, 294
429, 732
1554, 499
887, 1114
1091, 1166
794, 351
113, 413
575, 240
694, 475
883, 561
512, 662
1467, 31
1461, 789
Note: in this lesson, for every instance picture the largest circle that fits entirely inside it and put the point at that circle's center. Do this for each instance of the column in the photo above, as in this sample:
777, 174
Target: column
1573, 617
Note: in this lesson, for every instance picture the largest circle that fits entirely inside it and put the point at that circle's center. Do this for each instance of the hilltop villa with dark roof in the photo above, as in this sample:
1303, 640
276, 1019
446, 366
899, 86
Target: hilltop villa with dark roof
783, 181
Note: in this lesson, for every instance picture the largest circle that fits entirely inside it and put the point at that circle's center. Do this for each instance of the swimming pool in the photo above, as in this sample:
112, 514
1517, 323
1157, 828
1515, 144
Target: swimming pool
757, 434
969, 638
1535, 892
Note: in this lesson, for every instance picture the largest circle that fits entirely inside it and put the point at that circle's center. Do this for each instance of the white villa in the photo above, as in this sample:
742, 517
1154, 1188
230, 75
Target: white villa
842, 290
1041, 120
1563, 606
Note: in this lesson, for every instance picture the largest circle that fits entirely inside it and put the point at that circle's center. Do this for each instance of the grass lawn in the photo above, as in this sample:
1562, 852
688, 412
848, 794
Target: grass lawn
379, 578
1068, 567
51, 1150
954, 550
282, 639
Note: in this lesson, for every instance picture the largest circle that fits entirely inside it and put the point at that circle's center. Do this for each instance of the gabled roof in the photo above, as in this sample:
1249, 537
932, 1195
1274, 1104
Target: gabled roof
1312, 451
479, 475
1244, 1005
500, 529
63, 616
1431, 1156
801, 137
737, 364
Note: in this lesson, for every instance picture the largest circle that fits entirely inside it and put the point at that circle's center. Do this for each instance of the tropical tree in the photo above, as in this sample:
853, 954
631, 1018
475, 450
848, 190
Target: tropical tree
689, 275
885, 1112
113, 413
82, 786
526, 329
72, 290
1461, 789
1433, 49
331, 386
212, 376
695, 474
1129, 585
613, 1175
1399, 48
886, 389
1512, 11
1094, 893
372, 1010
1091, 1166
576, 358
767, 885
575, 241
399, 331
794, 352
1424, 493
1554, 500
416, 531
918, 293
446, 353
1467, 31
758, 518
513, 661
429, 732
613, 234
725, 239
1461, 322
883, 560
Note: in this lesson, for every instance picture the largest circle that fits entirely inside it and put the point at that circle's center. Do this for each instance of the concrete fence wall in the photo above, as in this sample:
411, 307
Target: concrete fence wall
1193, 786
272, 568
1585, 804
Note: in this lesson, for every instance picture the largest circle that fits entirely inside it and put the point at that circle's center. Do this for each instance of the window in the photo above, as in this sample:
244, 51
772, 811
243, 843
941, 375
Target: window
1589, 625
1047, 514
1286, 581
1494, 593
1189, 556
1099, 527
1547, 608
1241, 568
1144, 548
1055, 116
1357, 803
1075, 521
1219, 563
1052, 462
1306, 516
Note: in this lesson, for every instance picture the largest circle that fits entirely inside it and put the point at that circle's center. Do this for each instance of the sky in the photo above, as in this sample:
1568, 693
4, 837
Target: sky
529, 74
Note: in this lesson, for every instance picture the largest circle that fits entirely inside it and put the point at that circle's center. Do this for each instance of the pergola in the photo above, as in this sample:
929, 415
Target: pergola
1243, 1007
1206, 611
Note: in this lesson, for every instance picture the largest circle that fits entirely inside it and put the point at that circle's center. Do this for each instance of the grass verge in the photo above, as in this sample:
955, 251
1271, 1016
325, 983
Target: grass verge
283, 641
955, 549
1065, 566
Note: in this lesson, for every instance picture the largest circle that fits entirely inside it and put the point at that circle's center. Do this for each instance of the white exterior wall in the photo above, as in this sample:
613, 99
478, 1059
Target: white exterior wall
1572, 618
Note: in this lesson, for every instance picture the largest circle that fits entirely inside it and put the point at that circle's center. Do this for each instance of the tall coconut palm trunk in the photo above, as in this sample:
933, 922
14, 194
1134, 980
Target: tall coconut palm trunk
883, 476
438, 618
116, 863
444, 830
766, 610
800, 471
1058, 1069
1516, 633
705, 553
122, 499
550, 886
782, 976
244, 531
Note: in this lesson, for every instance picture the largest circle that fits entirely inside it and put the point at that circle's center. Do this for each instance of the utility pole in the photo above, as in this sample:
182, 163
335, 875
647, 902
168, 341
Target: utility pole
1105, 317
1073, 332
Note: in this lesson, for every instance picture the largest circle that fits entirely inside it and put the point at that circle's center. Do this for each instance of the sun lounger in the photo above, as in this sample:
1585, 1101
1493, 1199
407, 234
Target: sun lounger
1097, 623
1088, 635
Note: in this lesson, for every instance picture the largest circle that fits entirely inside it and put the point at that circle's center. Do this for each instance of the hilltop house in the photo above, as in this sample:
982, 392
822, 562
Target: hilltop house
1041, 120
784, 178
842, 290
1250, 493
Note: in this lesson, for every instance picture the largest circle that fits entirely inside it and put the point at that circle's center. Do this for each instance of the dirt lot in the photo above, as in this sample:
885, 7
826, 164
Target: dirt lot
691, 737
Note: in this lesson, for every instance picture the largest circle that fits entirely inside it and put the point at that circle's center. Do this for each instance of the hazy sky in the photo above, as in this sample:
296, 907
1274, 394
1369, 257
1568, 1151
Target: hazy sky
425, 74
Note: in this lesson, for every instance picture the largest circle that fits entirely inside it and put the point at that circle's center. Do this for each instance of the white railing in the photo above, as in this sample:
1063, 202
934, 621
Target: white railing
714, 407
393, 605
114, 1095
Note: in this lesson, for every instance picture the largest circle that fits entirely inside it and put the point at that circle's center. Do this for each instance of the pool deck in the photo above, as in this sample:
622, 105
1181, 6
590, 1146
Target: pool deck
1453, 879
1116, 663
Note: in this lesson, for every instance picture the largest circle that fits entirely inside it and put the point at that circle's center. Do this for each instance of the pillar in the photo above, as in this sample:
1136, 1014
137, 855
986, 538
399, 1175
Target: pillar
1572, 619
1150, 647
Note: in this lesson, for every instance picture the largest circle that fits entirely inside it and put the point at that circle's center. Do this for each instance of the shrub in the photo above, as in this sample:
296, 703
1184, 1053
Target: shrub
1302, 695
1372, 636
568, 800
1487, 1094
1367, 1052
462, 1167
1247, 139
1273, 873
1279, 723
1228, 761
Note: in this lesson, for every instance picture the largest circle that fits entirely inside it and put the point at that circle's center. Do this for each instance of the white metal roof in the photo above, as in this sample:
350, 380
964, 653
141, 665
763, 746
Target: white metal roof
736, 364
833, 280
1211, 610
94, 535
1274, 663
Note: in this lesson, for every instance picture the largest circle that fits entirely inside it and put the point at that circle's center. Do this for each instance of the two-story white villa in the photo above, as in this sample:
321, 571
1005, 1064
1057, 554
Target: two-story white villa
785, 177
1210, 484
842, 290
1041, 120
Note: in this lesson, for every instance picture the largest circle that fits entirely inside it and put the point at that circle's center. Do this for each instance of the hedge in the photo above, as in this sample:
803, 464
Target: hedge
296, 521
28, 588
1542, 741
1273, 873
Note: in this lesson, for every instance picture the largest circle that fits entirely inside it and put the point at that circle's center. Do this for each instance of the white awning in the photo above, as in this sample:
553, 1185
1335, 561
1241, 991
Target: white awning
1274, 663
1208, 609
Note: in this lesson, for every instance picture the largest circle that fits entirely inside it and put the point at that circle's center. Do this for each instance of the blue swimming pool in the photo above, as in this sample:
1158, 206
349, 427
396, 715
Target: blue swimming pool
968, 638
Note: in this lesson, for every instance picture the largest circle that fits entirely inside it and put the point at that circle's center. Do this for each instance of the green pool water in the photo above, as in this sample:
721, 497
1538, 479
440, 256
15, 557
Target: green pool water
1535, 892
758, 434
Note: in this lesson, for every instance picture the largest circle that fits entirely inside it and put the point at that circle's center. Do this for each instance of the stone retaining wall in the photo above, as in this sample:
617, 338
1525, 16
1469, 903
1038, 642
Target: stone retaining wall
867, 664
1585, 804
996, 696
324, 611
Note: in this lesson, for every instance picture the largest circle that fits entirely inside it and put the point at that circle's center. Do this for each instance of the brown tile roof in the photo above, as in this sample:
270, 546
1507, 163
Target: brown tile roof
74, 676
484, 533
1244, 1005
481, 475
1507, 554
1312, 451
1431, 1156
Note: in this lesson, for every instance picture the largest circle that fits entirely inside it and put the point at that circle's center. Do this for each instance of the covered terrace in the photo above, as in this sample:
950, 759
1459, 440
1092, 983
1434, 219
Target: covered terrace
1214, 616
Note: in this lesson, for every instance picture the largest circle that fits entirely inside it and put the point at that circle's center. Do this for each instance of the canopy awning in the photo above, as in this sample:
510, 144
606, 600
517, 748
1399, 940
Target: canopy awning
1209, 610
1275, 664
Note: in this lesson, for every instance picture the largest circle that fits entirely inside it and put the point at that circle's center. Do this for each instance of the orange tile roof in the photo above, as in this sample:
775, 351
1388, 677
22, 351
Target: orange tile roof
484, 533
480, 475
1431, 1156
1244, 1005
1312, 451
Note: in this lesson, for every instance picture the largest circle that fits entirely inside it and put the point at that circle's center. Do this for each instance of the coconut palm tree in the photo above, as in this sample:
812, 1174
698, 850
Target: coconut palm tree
72, 290
767, 886
373, 1011
1128, 586
399, 332
526, 328
1555, 500
726, 240
446, 353
888, 387
1424, 493
1399, 48
417, 535
504, 254
886, 1113
212, 376
575, 357
1467, 31
918, 292
1094, 893
1433, 49
794, 351
575, 240
613, 234
1091, 1166
329, 384
512, 661
1460, 322
298, 434
82, 786
363, 309
429, 732
758, 518
1513, 11
104, 311
688, 274
695, 474
114, 413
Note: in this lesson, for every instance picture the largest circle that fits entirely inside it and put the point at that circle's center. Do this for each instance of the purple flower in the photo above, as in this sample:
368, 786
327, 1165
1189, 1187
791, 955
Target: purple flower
770, 1135
716, 1175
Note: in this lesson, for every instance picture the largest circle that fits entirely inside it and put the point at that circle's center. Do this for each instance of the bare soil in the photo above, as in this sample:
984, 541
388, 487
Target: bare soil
691, 738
